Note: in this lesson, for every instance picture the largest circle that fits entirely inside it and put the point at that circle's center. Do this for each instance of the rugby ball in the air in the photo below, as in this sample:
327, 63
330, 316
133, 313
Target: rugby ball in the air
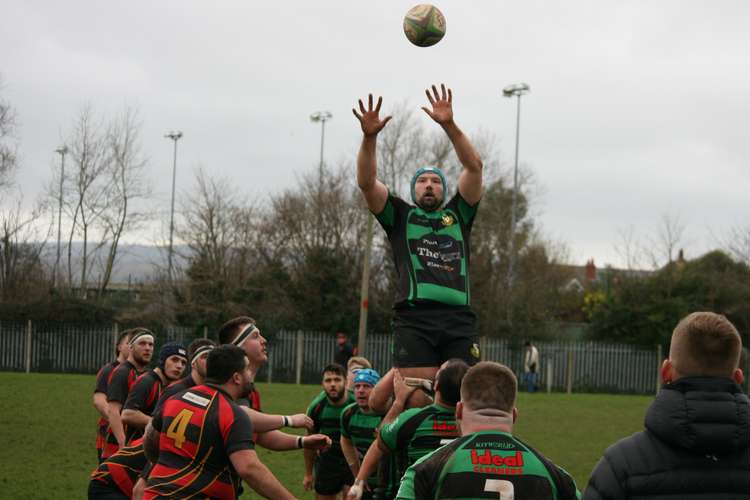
424, 25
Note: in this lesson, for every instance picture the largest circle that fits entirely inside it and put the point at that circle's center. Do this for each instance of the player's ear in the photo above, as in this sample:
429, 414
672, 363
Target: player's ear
738, 376
515, 414
667, 372
459, 410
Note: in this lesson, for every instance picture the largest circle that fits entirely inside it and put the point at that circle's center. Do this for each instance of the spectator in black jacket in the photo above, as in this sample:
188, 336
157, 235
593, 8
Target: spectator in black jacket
696, 444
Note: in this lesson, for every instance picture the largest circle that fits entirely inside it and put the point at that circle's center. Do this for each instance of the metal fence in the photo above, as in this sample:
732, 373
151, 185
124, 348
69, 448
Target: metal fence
297, 357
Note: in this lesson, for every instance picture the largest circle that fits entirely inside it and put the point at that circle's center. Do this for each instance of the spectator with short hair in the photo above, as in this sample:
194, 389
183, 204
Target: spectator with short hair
696, 441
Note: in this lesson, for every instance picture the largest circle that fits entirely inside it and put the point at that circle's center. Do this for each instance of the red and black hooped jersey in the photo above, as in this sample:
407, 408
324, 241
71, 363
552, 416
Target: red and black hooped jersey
120, 383
143, 398
102, 382
120, 471
199, 429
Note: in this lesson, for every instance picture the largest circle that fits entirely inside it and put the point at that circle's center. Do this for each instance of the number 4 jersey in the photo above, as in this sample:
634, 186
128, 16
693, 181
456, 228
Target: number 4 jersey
199, 429
487, 464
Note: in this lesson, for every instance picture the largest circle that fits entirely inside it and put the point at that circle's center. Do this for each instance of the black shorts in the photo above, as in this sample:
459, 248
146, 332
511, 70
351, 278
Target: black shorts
100, 491
331, 475
429, 336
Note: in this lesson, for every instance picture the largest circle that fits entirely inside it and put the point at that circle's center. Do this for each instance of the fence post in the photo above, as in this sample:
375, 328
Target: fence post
115, 333
28, 347
658, 367
569, 373
549, 375
270, 369
205, 332
300, 346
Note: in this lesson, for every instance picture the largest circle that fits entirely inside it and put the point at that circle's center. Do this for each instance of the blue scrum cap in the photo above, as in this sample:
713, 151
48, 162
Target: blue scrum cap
424, 170
367, 376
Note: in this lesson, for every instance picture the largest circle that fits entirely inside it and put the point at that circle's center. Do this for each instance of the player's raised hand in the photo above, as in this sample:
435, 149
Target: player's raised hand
369, 118
319, 442
401, 390
300, 420
442, 104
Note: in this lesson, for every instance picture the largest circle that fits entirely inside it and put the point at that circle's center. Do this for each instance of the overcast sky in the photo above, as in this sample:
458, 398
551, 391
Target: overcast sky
637, 108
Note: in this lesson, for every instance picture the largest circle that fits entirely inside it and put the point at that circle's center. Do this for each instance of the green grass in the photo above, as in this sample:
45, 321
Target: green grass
47, 427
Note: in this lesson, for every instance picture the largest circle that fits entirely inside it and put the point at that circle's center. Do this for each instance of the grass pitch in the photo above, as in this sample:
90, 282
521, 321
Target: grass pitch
47, 428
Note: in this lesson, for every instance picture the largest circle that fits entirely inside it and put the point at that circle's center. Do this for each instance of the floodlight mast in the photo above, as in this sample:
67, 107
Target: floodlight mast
174, 136
514, 90
62, 151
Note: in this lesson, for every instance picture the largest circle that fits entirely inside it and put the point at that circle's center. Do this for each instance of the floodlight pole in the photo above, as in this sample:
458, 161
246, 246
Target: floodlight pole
174, 136
321, 117
515, 90
62, 151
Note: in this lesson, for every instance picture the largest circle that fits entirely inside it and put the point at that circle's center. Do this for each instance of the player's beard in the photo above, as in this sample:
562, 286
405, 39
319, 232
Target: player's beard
429, 204
336, 396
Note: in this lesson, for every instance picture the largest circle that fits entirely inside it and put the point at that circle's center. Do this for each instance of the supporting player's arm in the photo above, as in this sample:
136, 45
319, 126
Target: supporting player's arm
281, 441
257, 476
100, 403
115, 421
374, 191
350, 454
374, 455
470, 179
263, 422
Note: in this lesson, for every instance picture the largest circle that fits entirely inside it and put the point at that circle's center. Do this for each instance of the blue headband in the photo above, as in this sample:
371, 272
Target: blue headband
366, 376
423, 170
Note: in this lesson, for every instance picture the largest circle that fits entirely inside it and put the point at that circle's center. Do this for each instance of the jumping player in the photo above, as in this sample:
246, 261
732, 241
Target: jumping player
327, 472
487, 461
122, 351
201, 440
432, 319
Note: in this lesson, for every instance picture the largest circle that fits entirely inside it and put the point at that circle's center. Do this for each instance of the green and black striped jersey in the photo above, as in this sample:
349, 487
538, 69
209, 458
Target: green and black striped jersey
483, 465
327, 420
360, 428
431, 250
417, 432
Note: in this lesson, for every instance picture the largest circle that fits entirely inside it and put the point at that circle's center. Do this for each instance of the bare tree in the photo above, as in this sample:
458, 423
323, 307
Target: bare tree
8, 157
401, 145
22, 240
737, 243
86, 187
628, 248
669, 239
126, 187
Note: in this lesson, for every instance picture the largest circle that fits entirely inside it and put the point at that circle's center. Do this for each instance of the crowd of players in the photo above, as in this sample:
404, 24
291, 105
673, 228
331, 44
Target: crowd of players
167, 434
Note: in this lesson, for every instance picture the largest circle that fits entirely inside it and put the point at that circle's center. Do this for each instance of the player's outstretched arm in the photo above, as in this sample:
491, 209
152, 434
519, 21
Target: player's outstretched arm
263, 422
350, 454
368, 467
257, 476
374, 191
470, 179
281, 441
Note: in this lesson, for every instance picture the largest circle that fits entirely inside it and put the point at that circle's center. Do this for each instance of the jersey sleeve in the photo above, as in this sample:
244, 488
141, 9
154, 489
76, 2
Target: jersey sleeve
392, 212
117, 390
466, 212
313, 411
101, 379
346, 417
240, 435
138, 397
389, 432
156, 418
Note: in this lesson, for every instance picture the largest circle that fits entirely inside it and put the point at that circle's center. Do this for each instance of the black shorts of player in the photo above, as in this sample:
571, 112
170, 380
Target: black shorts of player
428, 336
331, 476
99, 491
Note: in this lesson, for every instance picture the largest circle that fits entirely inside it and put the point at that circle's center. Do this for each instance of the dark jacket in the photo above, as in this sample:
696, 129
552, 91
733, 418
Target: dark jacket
696, 446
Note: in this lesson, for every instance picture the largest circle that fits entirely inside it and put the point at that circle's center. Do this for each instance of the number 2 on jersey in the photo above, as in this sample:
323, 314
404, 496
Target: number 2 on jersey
178, 426
504, 489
